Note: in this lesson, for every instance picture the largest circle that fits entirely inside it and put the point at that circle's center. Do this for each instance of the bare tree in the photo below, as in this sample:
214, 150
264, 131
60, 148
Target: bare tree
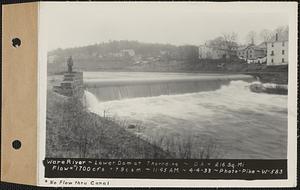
266, 35
251, 37
227, 42
282, 32
230, 40
217, 42
230, 43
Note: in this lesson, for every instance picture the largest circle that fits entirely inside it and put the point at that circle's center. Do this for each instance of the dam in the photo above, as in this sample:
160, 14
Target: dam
116, 86
217, 111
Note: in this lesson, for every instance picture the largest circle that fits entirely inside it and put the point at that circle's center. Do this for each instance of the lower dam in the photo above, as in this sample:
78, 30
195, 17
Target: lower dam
117, 86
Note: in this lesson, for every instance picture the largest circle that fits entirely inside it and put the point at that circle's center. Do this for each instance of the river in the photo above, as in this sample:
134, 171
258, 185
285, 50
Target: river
200, 112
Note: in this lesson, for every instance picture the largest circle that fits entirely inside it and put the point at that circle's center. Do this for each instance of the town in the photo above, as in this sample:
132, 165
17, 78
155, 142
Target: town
223, 53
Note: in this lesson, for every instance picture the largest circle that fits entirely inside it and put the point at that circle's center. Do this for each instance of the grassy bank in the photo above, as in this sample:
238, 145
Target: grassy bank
72, 131
277, 74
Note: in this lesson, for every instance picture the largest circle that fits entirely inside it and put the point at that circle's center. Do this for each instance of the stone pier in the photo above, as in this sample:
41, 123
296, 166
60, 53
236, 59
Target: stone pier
72, 84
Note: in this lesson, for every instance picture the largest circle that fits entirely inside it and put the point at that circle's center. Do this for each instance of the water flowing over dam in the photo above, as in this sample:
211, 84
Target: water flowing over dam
203, 109
150, 85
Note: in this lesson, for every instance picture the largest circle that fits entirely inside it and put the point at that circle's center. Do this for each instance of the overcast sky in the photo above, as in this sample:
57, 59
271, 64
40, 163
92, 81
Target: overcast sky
78, 24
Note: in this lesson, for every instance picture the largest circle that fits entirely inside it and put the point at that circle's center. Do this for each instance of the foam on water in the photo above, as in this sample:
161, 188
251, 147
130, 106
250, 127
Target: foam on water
91, 100
244, 124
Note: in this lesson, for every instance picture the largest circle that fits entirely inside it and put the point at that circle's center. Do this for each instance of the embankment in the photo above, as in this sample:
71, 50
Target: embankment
277, 74
74, 132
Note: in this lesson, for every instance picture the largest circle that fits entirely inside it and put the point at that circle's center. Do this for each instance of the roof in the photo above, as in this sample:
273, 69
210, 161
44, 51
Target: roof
255, 47
281, 38
262, 45
242, 47
277, 41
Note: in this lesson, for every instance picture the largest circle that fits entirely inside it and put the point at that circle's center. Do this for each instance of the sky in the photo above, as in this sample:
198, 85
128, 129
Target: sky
79, 24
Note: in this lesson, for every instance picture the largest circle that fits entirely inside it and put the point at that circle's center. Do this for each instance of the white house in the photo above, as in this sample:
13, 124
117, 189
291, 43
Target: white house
129, 52
277, 52
208, 52
204, 52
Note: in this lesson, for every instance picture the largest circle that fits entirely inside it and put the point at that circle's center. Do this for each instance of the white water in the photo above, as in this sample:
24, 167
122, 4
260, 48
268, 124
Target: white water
241, 123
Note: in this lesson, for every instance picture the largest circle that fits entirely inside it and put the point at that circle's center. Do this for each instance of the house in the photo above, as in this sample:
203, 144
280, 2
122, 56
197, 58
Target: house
277, 51
128, 52
209, 52
251, 52
188, 52
241, 53
218, 51
205, 52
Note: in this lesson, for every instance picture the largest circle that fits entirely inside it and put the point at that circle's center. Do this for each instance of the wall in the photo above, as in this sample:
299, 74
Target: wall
252, 52
278, 56
72, 85
206, 52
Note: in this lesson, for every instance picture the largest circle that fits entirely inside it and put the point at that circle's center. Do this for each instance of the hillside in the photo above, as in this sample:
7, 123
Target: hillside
120, 55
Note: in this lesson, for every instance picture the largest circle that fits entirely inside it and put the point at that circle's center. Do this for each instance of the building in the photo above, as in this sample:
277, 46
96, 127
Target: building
252, 52
128, 52
205, 52
241, 53
208, 52
217, 52
277, 52
188, 52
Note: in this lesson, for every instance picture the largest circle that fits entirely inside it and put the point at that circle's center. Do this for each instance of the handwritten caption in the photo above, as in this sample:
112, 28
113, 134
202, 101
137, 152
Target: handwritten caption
195, 169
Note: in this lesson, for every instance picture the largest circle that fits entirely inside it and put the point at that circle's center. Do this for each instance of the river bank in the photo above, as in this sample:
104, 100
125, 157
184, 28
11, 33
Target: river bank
74, 132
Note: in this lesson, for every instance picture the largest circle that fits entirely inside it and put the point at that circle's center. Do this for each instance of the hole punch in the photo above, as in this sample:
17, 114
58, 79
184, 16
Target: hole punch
16, 144
16, 42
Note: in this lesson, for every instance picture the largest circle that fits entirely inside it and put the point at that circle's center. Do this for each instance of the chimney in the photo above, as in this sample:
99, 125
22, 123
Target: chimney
276, 37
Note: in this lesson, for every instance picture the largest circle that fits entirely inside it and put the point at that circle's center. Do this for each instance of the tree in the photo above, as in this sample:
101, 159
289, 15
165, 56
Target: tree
217, 42
227, 42
251, 37
230, 41
266, 35
282, 31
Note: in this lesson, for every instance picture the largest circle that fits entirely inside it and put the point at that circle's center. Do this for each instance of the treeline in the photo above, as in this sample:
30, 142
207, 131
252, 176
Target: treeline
267, 35
110, 56
230, 40
145, 49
